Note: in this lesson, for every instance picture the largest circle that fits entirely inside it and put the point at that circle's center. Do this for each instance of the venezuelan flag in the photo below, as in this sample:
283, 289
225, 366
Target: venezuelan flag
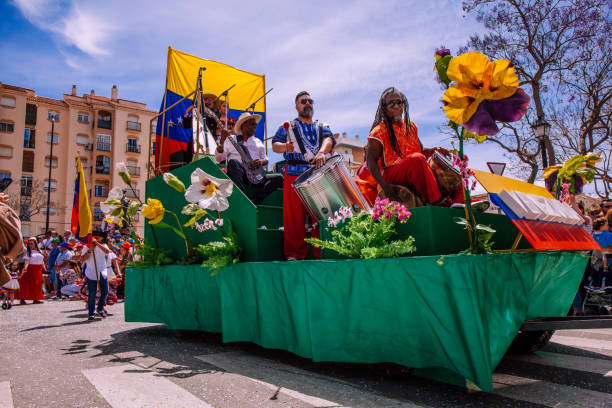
80, 223
181, 78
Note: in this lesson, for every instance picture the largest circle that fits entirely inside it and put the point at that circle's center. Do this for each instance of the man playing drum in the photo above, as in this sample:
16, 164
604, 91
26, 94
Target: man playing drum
395, 155
303, 142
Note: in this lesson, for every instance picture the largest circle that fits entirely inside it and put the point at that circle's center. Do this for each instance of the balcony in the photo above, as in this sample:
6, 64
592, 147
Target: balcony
105, 124
134, 170
133, 125
103, 146
89, 146
132, 148
26, 191
103, 192
28, 144
30, 118
102, 170
132, 194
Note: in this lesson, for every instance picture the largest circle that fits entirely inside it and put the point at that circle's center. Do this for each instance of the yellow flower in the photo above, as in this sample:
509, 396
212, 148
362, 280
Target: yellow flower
153, 210
477, 79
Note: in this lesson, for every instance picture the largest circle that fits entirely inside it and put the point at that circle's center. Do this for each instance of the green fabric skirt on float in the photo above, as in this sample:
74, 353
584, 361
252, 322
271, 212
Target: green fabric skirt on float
452, 315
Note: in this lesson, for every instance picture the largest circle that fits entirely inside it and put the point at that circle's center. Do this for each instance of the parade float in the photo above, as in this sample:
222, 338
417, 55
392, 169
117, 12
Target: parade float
442, 290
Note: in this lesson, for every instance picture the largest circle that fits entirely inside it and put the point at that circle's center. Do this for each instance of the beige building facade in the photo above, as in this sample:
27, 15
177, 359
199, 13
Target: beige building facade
351, 150
103, 131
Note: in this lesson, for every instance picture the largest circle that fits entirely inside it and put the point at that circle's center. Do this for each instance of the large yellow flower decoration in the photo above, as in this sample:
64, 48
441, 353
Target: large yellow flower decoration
153, 210
477, 79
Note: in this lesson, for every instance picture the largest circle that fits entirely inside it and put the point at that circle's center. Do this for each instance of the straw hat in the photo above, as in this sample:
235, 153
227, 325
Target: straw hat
213, 96
243, 118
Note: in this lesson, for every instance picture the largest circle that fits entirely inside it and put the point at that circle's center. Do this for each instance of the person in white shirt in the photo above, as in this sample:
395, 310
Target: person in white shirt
95, 270
253, 147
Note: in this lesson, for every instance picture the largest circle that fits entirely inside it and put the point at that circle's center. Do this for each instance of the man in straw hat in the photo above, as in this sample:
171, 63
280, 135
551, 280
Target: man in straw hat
253, 148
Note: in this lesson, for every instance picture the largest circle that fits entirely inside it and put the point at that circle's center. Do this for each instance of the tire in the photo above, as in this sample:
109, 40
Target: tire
530, 341
10, 305
4, 305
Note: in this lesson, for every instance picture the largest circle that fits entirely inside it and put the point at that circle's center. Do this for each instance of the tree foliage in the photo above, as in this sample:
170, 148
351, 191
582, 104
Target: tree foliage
561, 52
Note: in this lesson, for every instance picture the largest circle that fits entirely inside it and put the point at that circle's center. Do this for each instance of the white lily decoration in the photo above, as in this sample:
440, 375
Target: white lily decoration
112, 202
123, 172
209, 192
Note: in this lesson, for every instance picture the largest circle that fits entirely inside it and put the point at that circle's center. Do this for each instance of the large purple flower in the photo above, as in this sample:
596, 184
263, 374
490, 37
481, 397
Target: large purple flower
503, 110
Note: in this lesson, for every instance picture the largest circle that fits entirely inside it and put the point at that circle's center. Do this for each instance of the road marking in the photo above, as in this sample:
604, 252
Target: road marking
546, 393
285, 379
581, 342
586, 364
129, 386
6, 395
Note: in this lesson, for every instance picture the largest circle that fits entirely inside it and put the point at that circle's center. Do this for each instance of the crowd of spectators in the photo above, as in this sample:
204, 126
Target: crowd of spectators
59, 267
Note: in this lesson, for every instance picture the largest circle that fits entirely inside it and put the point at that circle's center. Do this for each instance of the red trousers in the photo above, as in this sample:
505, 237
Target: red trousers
294, 220
414, 171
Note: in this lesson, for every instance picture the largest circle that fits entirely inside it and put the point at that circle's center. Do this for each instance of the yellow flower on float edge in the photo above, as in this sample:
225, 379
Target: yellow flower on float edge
153, 210
477, 79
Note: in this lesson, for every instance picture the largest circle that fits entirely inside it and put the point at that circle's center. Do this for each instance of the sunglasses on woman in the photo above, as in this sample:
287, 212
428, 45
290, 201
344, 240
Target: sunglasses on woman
394, 102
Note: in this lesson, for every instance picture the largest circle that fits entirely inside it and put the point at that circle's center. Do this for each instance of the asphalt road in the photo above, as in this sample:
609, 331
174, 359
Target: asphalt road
52, 357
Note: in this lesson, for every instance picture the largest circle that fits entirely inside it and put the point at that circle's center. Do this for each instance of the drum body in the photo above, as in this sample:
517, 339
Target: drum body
326, 189
447, 176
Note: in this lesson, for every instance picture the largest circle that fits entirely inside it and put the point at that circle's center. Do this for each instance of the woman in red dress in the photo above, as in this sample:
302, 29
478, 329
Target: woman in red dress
30, 284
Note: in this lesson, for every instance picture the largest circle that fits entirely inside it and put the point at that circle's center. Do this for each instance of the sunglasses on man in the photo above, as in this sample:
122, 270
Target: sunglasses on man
306, 100
394, 102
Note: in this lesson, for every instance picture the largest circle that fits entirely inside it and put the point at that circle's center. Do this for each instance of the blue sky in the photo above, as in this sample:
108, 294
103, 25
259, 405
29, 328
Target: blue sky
345, 52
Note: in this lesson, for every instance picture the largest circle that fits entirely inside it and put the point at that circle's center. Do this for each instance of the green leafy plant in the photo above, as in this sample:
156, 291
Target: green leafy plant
151, 256
219, 254
482, 234
369, 235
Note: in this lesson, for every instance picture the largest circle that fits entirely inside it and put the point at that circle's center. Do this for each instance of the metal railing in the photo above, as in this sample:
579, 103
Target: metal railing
134, 170
26, 191
101, 192
103, 146
28, 144
133, 125
105, 124
132, 148
102, 170
132, 194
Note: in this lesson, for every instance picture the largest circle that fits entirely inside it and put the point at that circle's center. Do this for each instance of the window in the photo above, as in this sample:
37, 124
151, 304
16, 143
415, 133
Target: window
153, 149
100, 191
133, 146
55, 138
98, 215
7, 127
102, 165
132, 166
8, 101
28, 161
51, 209
132, 123
103, 142
83, 117
25, 229
4, 174
83, 163
52, 185
26, 186
53, 115
82, 139
105, 120
53, 161
28, 138
6, 151
31, 110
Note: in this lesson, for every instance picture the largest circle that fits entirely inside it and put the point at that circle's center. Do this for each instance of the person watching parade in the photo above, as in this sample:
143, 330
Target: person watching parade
303, 143
254, 149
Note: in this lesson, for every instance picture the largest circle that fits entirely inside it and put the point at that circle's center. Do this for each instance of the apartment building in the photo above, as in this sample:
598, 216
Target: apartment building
103, 131
351, 150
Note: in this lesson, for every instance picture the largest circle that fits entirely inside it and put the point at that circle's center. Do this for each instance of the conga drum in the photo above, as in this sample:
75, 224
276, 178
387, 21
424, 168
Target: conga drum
447, 176
324, 190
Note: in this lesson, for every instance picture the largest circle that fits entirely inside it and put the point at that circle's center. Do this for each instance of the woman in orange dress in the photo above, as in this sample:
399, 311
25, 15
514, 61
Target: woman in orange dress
30, 284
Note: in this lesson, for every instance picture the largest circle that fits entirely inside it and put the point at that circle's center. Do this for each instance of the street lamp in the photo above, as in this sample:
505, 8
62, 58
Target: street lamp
52, 119
541, 128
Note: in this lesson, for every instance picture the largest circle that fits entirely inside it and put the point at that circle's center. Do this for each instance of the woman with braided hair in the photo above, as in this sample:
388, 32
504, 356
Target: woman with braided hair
395, 155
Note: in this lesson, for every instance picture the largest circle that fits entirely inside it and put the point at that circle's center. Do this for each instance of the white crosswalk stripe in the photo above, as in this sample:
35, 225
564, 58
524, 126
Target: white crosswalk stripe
129, 386
314, 389
581, 342
6, 395
579, 363
549, 394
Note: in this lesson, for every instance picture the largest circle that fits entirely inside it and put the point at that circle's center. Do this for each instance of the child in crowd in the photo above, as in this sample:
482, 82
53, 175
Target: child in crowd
12, 285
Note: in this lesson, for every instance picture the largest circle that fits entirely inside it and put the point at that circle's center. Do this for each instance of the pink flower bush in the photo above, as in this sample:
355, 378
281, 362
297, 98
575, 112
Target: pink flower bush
388, 209
341, 215
209, 224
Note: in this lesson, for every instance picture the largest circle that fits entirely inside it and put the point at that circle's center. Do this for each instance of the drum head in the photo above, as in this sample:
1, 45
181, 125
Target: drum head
313, 174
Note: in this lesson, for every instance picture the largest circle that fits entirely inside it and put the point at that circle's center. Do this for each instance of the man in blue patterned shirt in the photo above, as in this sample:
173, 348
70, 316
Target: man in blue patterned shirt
303, 143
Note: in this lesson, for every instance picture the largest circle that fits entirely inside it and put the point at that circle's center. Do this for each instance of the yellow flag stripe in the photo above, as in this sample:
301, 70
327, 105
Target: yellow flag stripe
495, 184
